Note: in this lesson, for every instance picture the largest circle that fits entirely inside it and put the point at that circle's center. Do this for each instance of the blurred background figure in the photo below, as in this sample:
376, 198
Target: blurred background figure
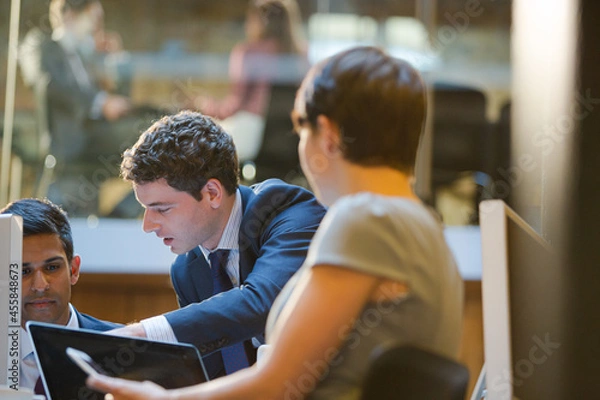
274, 51
81, 99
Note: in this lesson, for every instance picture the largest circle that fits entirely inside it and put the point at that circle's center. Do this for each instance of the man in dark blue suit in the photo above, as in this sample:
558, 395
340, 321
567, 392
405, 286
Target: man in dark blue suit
237, 245
50, 268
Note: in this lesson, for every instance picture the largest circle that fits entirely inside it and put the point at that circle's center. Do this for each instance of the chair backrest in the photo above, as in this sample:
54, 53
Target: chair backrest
278, 155
503, 139
460, 128
410, 373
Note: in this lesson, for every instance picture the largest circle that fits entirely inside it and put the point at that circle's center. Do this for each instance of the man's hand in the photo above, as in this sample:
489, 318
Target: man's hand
133, 330
108, 41
115, 107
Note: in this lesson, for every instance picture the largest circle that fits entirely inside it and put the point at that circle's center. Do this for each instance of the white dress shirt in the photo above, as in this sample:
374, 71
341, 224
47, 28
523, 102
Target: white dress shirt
158, 328
29, 369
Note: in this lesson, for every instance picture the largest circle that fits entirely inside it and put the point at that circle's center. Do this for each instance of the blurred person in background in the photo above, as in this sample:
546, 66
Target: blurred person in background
273, 52
83, 100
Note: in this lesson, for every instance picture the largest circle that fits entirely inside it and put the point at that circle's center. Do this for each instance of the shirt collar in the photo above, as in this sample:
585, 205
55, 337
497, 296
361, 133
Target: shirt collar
230, 237
73, 322
27, 347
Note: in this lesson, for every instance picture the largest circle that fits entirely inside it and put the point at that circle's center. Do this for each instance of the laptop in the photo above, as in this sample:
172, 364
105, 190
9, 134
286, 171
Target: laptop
167, 364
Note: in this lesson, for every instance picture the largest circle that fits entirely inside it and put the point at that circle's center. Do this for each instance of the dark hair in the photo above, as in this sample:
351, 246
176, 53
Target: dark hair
281, 21
377, 101
43, 217
186, 149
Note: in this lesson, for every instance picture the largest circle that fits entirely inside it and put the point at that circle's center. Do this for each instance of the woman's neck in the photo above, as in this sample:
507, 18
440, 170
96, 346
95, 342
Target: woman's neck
386, 181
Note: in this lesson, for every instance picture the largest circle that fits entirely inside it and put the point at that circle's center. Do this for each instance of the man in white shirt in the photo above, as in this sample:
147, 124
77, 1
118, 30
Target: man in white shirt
50, 268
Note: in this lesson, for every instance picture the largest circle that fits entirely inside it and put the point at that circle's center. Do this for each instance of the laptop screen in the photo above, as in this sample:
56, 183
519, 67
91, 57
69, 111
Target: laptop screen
169, 365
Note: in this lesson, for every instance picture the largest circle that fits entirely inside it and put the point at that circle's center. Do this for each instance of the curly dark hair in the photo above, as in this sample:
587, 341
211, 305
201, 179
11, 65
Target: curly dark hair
40, 217
186, 149
377, 101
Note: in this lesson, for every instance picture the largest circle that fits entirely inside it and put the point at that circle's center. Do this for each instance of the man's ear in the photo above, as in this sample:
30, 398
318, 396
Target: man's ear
75, 265
214, 192
330, 135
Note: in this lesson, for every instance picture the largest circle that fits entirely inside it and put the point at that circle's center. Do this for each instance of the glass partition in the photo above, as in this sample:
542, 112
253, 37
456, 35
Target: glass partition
159, 57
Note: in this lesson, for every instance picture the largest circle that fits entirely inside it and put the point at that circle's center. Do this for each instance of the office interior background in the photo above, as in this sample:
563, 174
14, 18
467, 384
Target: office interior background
177, 51
504, 79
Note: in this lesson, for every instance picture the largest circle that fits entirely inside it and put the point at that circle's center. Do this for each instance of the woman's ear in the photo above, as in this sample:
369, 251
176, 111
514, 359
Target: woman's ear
330, 135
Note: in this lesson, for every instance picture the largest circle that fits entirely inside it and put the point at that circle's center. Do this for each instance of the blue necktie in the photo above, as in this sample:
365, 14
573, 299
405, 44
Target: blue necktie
234, 356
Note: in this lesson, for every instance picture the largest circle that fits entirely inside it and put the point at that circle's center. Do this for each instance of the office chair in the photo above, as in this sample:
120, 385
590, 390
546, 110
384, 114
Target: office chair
460, 131
463, 139
502, 154
410, 373
278, 154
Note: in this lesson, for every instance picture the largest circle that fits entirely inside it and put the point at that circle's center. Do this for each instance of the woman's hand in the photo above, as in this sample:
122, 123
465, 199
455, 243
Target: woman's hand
122, 389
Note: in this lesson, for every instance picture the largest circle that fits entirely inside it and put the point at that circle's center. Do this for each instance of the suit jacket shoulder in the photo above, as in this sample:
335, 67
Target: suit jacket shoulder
89, 322
270, 206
